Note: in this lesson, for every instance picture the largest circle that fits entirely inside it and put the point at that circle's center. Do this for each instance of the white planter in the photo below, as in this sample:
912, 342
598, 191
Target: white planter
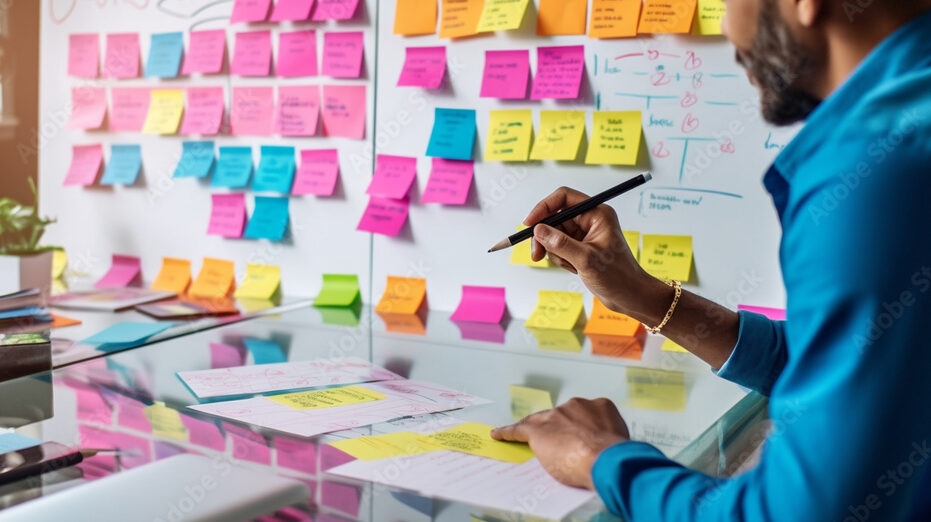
21, 272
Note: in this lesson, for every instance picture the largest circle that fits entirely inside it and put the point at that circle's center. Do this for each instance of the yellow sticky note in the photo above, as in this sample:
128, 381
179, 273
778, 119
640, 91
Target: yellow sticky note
667, 257
667, 16
260, 282
527, 401
165, 109
520, 254
174, 276
555, 17
558, 340
557, 310
215, 279
560, 135
614, 18
709, 16
329, 398
509, 134
604, 321
403, 295
670, 346
501, 15
59, 263
415, 17
615, 138
632, 238
166, 422
475, 439
656, 389
460, 18
400, 444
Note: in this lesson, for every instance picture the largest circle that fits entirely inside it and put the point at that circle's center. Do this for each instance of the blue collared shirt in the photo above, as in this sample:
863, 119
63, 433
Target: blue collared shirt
849, 371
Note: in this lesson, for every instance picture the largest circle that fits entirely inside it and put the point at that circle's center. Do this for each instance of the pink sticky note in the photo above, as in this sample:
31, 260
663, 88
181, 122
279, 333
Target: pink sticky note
291, 10
130, 106
342, 54
485, 332
393, 176
85, 164
341, 497
506, 74
331, 457
131, 414
298, 110
205, 52
226, 356
344, 111
250, 11
134, 451
88, 107
204, 112
318, 173
228, 215
297, 54
253, 111
423, 67
248, 445
90, 404
299, 455
335, 10
252, 55
124, 271
204, 433
481, 304
122, 59
559, 72
83, 55
384, 216
776, 314
449, 182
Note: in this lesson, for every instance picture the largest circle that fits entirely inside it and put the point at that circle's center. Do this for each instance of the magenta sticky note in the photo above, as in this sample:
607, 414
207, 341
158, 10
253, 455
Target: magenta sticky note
341, 497
248, 445
253, 111
130, 413
227, 215
134, 451
559, 72
252, 54
343, 111
384, 216
122, 58
90, 404
83, 55
299, 455
129, 107
291, 10
505, 75
342, 54
449, 182
393, 176
124, 271
226, 356
776, 314
297, 54
298, 110
203, 433
335, 10
204, 112
250, 11
481, 304
485, 332
423, 67
205, 53
85, 164
88, 107
317, 173
331, 457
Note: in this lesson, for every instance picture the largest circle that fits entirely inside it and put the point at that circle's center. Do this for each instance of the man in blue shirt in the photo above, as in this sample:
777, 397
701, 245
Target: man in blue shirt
849, 372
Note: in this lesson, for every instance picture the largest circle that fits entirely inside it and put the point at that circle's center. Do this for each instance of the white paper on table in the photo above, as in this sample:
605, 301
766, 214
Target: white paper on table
250, 380
459, 477
402, 398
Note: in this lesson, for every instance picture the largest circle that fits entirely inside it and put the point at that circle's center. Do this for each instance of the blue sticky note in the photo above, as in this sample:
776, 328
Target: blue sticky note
276, 169
197, 159
165, 53
125, 335
15, 442
269, 219
453, 134
123, 167
233, 168
20, 312
265, 352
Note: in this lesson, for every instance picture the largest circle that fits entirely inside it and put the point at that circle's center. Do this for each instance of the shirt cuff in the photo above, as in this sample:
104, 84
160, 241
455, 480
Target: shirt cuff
616, 467
754, 362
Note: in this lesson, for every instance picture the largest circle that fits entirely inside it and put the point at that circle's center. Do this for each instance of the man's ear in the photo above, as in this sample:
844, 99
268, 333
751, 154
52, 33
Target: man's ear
808, 11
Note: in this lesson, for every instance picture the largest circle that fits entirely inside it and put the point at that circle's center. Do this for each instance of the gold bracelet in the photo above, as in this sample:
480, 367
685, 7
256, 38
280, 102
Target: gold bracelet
672, 308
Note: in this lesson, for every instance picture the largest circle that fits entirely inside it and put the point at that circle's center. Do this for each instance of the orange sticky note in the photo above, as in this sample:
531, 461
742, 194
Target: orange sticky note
667, 16
604, 321
216, 279
615, 346
561, 17
614, 18
403, 295
460, 18
404, 323
60, 321
174, 276
415, 17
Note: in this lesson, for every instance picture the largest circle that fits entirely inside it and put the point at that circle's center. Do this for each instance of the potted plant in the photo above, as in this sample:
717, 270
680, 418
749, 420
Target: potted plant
23, 263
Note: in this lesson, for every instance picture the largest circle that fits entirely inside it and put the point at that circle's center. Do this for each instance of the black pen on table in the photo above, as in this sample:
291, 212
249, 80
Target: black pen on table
44, 458
575, 210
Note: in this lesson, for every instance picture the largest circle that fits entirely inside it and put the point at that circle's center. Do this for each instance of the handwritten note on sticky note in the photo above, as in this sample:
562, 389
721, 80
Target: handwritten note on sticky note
388, 445
205, 52
124, 271
342, 54
632, 237
227, 215
122, 58
343, 111
214, 280
527, 401
475, 439
481, 304
165, 52
403, 295
298, 110
234, 167
291, 10
604, 321
615, 138
338, 290
423, 67
453, 134
393, 176
165, 109
124, 165
130, 106
329, 398
509, 135
671, 346
318, 172
560, 135
658, 390
276, 169
204, 112
520, 254
88, 107
449, 183
384, 216
710, 14
667, 257
250, 11
558, 17
667, 16
614, 18
506, 74
335, 10
557, 310
776, 314
559, 72
83, 55
253, 111
297, 54
501, 15
85, 164
260, 282
252, 54
174, 276
269, 219
460, 18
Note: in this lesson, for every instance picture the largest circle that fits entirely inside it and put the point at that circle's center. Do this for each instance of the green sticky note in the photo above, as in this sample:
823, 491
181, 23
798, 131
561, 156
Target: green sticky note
338, 290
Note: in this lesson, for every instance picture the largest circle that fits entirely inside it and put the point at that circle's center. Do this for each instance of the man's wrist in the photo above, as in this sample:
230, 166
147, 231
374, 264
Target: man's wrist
652, 301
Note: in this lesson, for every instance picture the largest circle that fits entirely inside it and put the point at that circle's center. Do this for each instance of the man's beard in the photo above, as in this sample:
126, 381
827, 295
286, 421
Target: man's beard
777, 62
